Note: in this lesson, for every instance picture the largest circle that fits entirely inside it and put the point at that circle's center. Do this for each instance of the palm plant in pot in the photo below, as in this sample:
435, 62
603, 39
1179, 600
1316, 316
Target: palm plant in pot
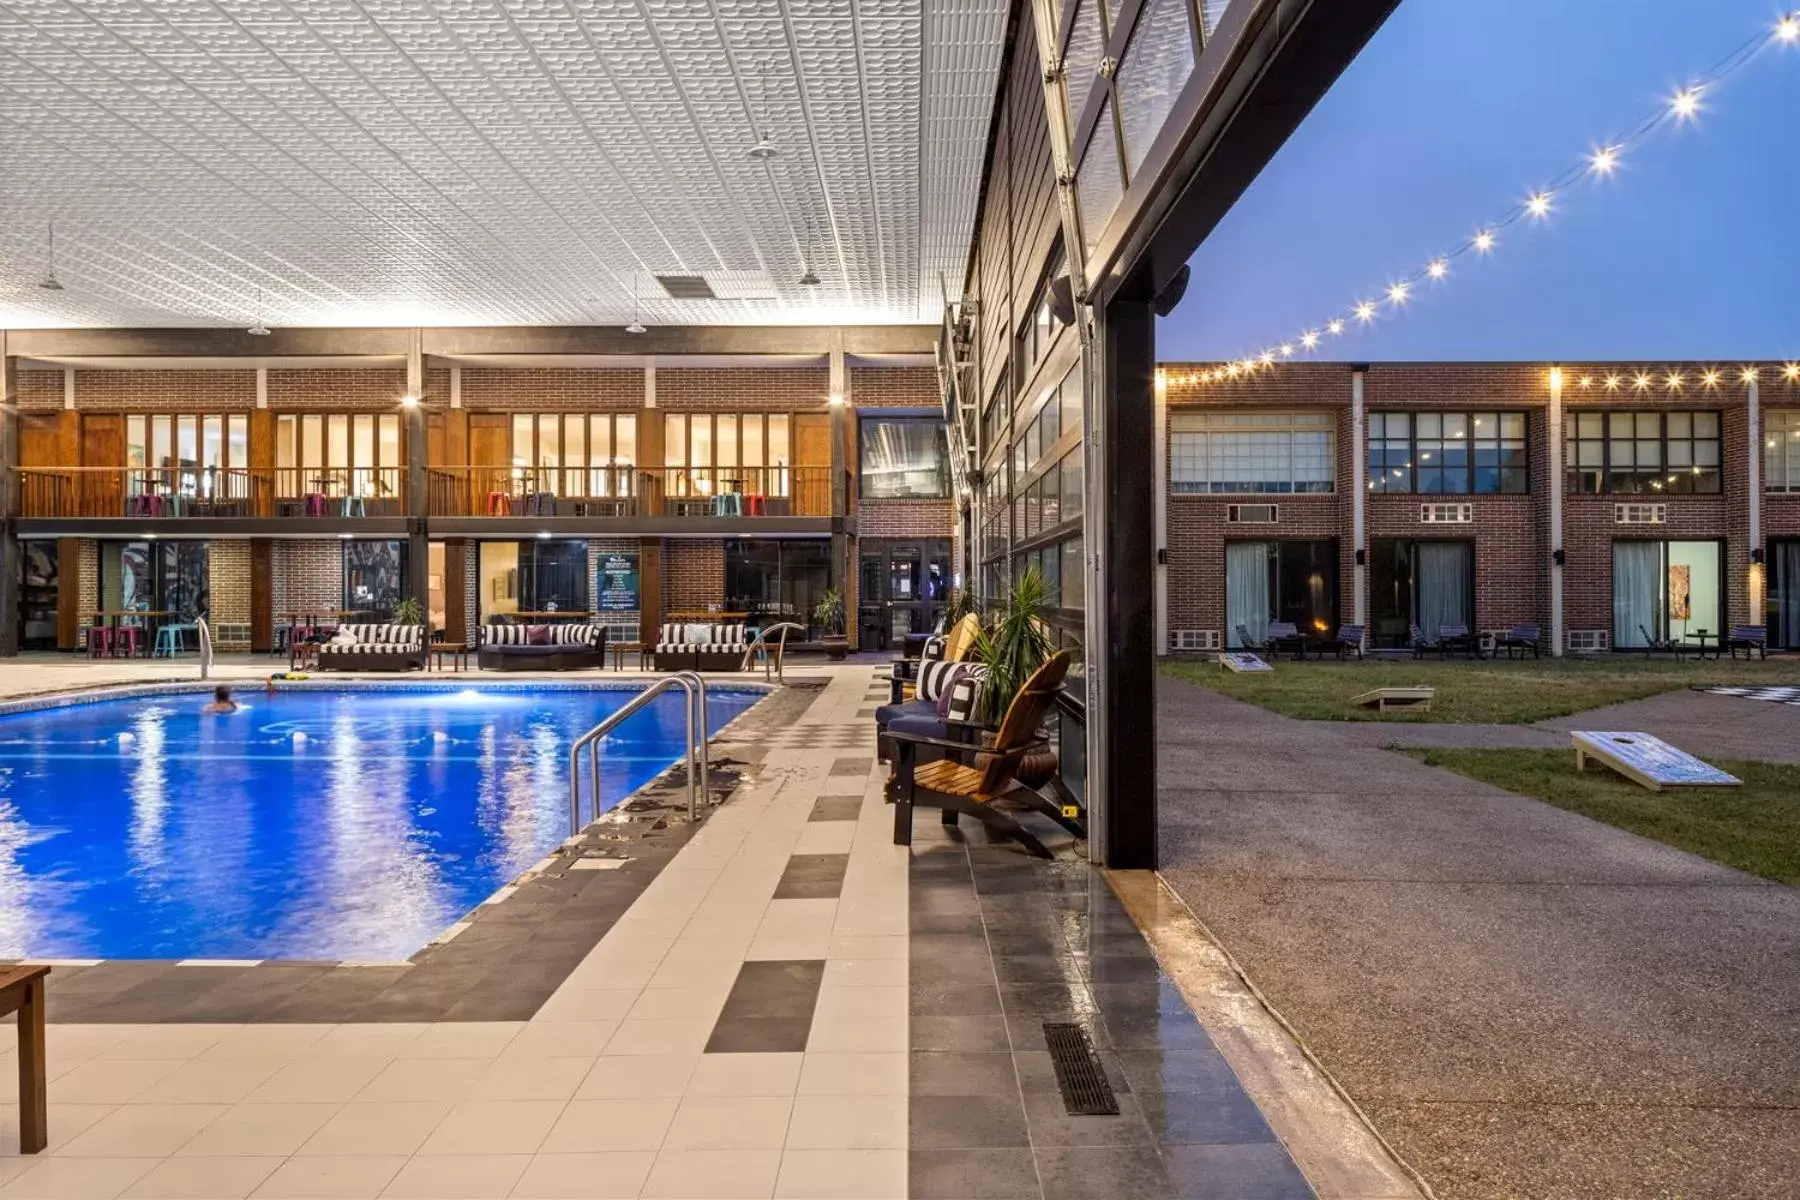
1013, 646
828, 615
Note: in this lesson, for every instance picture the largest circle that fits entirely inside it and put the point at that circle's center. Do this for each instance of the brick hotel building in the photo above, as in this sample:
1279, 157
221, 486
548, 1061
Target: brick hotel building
1608, 503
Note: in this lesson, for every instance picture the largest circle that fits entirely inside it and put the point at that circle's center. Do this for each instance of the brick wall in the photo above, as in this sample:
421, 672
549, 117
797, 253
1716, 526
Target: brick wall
228, 571
906, 518
183, 391
548, 389
730, 389
336, 389
894, 387
693, 574
307, 574
40, 391
87, 580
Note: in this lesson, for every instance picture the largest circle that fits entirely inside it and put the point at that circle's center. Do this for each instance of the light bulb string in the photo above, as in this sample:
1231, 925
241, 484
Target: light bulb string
1600, 164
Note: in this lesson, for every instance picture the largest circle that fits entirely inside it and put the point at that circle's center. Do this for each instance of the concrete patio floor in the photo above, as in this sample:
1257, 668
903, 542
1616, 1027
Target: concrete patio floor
1525, 1002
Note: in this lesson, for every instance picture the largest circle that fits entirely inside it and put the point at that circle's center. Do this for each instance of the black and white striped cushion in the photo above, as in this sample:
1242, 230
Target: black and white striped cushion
933, 650
965, 692
934, 677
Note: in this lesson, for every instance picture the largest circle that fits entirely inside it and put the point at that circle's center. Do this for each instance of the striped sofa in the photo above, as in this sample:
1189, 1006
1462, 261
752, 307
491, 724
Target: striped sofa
374, 648
684, 646
568, 646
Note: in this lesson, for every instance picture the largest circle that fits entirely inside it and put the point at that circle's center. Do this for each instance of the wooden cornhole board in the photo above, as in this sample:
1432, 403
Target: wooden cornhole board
1648, 760
1403, 699
1243, 662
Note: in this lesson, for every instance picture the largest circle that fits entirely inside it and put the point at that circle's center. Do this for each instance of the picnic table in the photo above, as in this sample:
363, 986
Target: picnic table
1702, 636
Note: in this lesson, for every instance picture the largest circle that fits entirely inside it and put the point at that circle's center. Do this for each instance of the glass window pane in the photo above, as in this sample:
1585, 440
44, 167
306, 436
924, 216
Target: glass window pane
388, 451
337, 440
1456, 425
136, 443
362, 442
212, 441
753, 441
1512, 425
725, 453
237, 442
1649, 425
1157, 63
1430, 425
1097, 183
700, 442
1070, 395
903, 458
575, 442
1620, 424
312, 443
1081, 61
778, 440
1681, 424
624, 450
1592, 425
187, 437
1706, 424
675, 440
524, 440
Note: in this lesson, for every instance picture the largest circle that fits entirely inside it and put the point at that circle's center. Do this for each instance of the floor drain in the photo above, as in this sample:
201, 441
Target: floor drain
1079, 1072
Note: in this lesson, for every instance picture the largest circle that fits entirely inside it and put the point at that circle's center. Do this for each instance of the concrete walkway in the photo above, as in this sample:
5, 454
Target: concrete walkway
1526, 1002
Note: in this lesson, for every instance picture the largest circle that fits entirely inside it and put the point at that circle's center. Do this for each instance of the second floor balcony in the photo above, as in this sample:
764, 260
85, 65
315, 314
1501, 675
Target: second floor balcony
693, 493
212, 493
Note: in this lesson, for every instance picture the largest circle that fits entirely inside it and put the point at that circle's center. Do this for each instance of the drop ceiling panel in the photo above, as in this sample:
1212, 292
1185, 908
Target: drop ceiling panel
373, 162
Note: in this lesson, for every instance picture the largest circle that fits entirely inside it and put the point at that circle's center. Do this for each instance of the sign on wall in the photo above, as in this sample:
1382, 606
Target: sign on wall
618, 583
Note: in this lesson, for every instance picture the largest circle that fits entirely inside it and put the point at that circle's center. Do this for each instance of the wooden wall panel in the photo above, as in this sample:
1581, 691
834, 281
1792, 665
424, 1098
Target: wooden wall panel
103, 445
456, 593
68, 593
262, 589
40, 440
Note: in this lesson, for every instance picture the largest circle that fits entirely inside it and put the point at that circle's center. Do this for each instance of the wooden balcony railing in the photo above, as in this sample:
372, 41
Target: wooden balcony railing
532, 491
739, 491
209, 492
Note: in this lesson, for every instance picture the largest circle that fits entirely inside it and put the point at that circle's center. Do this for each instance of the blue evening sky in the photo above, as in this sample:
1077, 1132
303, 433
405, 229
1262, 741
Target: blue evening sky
1457, 109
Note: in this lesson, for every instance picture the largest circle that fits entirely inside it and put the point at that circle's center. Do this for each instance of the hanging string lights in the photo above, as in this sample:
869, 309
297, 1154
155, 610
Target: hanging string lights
1538, 207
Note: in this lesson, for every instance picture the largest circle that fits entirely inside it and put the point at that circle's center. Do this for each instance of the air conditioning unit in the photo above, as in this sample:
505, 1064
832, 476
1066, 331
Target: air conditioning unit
1588, 641
1198, 639
1640, 514
1253, 514
1447, 514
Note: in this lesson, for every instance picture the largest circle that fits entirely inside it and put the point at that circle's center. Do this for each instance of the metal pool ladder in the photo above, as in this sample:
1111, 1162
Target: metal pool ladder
695, 687
762, 643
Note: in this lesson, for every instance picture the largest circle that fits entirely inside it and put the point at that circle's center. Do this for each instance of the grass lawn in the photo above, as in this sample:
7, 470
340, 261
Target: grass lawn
1500, 692
1755, 828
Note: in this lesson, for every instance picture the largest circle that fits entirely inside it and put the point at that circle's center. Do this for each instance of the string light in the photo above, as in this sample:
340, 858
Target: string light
1791, 372
1710, 378
1287, 349
1602, 162
1748, 375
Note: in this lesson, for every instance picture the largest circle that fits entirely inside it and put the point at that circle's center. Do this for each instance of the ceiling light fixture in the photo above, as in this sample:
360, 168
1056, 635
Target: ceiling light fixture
637, 324
49, 282
764, 149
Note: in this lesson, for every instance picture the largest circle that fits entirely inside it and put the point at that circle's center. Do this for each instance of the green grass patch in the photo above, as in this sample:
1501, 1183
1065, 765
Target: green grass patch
1497, 693
1755, 828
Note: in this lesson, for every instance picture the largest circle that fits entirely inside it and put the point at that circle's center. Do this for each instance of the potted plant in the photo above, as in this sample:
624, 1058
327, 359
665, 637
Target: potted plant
408, 612
1014, 646
828, 615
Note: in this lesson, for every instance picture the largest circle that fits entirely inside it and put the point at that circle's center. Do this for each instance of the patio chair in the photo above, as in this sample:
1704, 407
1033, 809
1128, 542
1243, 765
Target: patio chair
1656, 645
1421, 645
958, 645
1751, 639
960, 789
1246, 642
1521, 638
1457, 637
1349, 640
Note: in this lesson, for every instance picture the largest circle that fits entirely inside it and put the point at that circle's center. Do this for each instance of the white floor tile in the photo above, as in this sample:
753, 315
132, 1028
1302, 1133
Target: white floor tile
745, 1075
222, 1178
342, 1177
453, 1177
842, 1175
713, 1175
437, 1079
258, 1129
574, 1004
561, 1039
865, 972
168, 1041
100, 1081
729, 1123
212, 1081
661, 1036
616, 1176
531, 1078
463, 1039
267, 1041
587, 1126
834, 1074
377, 1128
681, 1004
318, 1080
78, 1178
141, 1131
848, 1123
493, 1127
634, 1075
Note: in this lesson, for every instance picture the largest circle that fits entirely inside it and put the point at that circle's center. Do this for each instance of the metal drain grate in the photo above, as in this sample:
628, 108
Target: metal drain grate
1079, 1072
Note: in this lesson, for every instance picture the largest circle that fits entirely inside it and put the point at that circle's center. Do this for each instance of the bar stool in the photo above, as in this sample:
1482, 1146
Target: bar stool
353, 506
755, 505
99, 640
499, 504
315, 504
126, 641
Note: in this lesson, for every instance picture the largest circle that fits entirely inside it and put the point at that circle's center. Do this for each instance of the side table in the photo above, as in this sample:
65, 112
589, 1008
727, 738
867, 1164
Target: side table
620, 649
458, 652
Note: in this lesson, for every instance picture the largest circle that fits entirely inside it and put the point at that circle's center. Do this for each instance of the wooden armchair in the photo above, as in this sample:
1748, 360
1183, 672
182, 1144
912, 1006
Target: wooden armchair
955, 786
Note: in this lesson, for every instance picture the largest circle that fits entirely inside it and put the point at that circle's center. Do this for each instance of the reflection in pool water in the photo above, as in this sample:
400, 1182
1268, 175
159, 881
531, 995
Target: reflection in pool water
351, 825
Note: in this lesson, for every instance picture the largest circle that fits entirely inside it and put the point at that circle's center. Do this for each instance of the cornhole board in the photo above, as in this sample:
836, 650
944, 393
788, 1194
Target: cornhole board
1648, 760
1242, 662
1401, 699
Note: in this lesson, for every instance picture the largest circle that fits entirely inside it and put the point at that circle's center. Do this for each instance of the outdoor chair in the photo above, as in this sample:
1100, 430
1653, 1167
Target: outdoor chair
1421, 645
1349, 640
1751, 639
1246, 642
1656, 645
1521, 638
958, 788
958, 645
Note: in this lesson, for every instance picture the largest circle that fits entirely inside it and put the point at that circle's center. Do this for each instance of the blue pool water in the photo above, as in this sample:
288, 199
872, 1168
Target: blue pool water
345, 824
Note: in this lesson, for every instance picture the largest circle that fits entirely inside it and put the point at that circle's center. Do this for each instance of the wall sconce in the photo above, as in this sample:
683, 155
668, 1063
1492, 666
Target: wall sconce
836, 400
409, 401
1556, 556
1362, 557
1162, 555
1756, 556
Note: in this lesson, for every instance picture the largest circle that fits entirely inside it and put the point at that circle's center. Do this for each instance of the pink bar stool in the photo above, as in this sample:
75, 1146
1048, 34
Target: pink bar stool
127, 643
99, 641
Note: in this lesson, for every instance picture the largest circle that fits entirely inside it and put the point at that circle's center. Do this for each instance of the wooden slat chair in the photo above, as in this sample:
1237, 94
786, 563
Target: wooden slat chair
1751, 639
958, 645
960, 789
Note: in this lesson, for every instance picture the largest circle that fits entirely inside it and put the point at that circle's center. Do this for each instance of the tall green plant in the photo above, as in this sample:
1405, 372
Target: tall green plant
1014, 645
409, 612
828, 613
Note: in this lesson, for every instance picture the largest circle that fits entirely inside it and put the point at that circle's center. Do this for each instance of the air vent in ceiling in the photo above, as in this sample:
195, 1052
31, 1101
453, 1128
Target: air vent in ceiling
686, 287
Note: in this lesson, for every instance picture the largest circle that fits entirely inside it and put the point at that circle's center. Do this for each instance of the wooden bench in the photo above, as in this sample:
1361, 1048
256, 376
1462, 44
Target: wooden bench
22, 992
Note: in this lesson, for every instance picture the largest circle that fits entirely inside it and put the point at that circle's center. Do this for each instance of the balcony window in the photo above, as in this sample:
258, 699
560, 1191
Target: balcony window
339, 454
1637, 453
1781, 450
903, 458
195, 456
1228, 453
708, 443
574, 454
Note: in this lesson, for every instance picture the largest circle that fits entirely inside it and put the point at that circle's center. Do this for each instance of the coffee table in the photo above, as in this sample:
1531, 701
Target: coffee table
458, 652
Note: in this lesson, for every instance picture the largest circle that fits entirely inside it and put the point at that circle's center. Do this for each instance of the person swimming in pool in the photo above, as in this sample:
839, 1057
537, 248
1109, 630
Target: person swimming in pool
221, 702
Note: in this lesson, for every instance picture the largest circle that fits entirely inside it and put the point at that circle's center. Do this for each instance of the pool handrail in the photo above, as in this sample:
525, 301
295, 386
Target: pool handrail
695, 687
203, 632
762, 640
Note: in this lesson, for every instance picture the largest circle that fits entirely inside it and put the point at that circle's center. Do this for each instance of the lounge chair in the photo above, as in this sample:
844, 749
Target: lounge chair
1656, 645
1349, 640
958, 645
1751, 639
1521, 638
960, 789
1422, 645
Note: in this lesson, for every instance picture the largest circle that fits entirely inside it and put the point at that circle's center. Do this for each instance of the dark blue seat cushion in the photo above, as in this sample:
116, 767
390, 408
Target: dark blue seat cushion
926, 723
886, 714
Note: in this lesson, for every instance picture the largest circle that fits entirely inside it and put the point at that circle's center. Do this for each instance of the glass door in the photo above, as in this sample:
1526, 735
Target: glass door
1784, 594
901, 586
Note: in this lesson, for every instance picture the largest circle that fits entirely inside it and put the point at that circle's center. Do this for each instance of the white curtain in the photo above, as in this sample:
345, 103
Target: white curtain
1786, 594
1247, 601
1637, 592
1445, 579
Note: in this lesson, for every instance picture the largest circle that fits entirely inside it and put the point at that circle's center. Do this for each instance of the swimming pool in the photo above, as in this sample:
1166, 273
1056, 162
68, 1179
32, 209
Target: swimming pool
341, 824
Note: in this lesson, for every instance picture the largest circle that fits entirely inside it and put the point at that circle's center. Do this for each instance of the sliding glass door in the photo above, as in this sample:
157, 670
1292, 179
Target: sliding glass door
1666, 590
1428, 584
1280, 581
1784, 594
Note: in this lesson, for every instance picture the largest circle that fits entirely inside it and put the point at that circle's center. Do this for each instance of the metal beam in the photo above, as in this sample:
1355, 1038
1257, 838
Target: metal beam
11, 573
